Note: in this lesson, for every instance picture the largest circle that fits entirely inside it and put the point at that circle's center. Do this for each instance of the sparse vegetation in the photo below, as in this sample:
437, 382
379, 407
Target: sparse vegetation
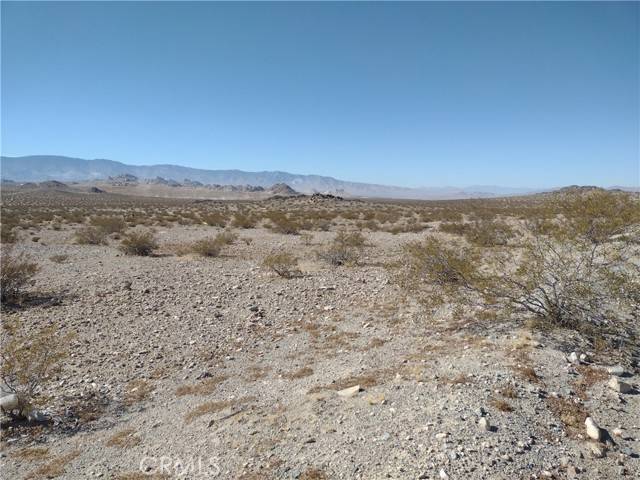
139, 242
284, 264
29, 361
90, 236
16, 272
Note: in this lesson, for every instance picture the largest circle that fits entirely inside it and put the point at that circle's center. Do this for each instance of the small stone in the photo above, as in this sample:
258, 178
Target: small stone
593, 431
573, 357
564, 462
617, 386
349, 392
583, 358
572, 472
618, 432
597, 450
617, 370
443, 475
484, 424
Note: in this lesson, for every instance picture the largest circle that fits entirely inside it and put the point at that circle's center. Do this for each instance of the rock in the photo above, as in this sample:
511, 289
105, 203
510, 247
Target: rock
573, 358
618, 432
597, 450
443, 475
593, 431
484, 424
572, 472
584, 358
617, 386
481, 412
617, 370
349, 392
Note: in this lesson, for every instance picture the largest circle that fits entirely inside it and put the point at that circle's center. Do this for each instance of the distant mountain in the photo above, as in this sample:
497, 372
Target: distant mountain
37, 168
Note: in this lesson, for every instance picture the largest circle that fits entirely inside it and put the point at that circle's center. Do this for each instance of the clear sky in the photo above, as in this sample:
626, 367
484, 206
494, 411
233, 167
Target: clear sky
415, 94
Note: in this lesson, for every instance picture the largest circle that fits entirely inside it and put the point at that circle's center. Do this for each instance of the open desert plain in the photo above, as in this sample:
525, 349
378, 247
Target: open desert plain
315, 337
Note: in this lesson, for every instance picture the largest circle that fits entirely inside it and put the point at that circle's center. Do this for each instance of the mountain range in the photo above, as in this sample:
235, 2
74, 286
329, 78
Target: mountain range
35, 168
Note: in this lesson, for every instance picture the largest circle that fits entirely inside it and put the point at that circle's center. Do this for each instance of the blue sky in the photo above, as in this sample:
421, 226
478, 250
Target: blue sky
415, 94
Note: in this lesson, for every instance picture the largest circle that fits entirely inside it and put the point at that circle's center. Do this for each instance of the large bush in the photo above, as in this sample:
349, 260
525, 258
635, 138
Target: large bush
139, 242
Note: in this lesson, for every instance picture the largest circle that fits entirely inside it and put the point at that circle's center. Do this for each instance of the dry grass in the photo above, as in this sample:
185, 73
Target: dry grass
214, 407
509, 391
54, 468
500, 404
255, 373
137, 391
31, 454
570, 413
206, 387
124, 439
459, 379
313, 474
300, 373
589, 376
59, 258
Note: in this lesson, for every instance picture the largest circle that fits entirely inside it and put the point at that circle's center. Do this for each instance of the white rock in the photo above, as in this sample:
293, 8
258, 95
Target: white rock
443, 475
573, 357
349, 392
618, 432
593, 431
484, 424
617, 370
618, 386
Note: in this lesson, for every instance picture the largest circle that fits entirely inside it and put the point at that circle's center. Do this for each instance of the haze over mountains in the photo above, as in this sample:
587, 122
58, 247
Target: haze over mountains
37, 168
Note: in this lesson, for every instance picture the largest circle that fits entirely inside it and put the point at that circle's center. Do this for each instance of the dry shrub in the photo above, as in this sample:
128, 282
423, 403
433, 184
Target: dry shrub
226, 238
307, 239
137, 391
281, 223
53, 468
124, 439
284, 264
313, 474
300, 373
206, 409
16, 271
589, 287
139, 242
589, 376
352, 239
29, 361
206, 387
90, 236
109, 224
500, 404
59, 258
489, 233
31, 454
207, 247
214, 219
570, 413
509, 391
242, 220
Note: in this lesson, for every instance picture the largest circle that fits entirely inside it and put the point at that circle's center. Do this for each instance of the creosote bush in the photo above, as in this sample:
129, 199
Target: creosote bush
207, 247
139, 242
90, 236
16, 271
109, 224
284, 264
566, 280
29, 360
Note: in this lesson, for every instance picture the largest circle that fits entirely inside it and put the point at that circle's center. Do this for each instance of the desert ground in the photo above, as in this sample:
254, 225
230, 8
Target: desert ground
208, 363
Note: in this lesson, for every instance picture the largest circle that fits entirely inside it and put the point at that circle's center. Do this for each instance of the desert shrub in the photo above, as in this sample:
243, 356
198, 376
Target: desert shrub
573, 284
214, 219
59, 258
281, 223
489, 233
455, 228
242, 220
207, 247
597, 215
139, 242
226, 238
16, 271
90, 236
349, 239
109, 224
29, 360
7, 231
336, 254
284, 264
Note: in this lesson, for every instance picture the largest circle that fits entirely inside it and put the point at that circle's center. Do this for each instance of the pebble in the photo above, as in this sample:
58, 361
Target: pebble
349, 392
617, 370
593, 431
484, 424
